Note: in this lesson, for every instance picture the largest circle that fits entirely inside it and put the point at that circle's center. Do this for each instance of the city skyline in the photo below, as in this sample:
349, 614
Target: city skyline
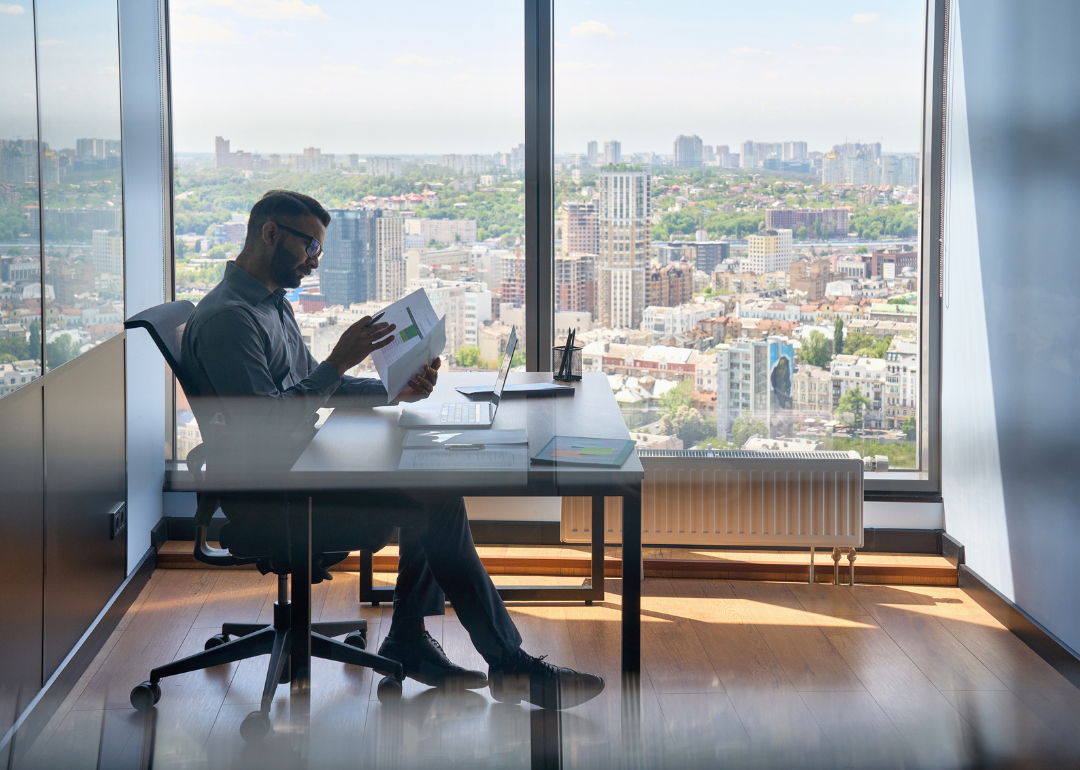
775, 73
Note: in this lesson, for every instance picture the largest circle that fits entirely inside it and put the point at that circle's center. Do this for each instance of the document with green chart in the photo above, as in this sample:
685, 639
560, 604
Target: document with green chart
585, 451
419, 337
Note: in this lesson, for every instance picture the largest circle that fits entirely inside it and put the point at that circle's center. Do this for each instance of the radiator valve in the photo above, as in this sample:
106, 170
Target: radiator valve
875, 463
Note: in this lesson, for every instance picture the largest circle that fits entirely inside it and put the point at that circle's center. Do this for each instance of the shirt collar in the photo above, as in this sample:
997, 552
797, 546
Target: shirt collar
247, 285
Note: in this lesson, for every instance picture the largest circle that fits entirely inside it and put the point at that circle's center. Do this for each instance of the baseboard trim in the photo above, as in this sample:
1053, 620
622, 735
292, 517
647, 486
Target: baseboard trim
1047, 646
41, 709
489, 532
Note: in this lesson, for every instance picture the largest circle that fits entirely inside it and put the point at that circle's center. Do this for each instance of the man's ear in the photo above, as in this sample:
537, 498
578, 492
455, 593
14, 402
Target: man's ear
270, 233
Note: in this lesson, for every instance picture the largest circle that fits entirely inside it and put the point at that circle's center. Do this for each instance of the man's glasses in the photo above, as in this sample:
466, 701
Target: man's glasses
314, 248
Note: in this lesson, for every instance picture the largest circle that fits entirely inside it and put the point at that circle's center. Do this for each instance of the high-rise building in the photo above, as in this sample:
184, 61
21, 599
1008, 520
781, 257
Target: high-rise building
767, 251
669, 286
221, 152
861, 169
593, 157
746, 157
832, 166
390, 268
755, 376
819, 223
794, 151
688, 152
517, 159
580, 229
390, 167
625, 231
723, 155
512, 283
108, 252
612, 153
710, 155
347, 269
900, 170
575, 283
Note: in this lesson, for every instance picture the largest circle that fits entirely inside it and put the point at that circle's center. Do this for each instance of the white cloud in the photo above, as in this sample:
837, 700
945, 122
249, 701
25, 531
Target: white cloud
593, 29
294, 10
200, 30
12, 9
273, 34
830, 49
410, 59
744, 51
866, 18
350, 69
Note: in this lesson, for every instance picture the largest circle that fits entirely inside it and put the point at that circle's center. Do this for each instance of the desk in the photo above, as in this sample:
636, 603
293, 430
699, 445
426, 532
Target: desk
360, 449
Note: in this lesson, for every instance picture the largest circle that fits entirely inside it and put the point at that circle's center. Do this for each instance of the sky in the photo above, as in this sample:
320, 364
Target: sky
431, 77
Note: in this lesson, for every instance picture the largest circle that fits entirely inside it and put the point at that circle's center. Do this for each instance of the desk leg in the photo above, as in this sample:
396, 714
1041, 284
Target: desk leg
598, 530
631, 583
300, 604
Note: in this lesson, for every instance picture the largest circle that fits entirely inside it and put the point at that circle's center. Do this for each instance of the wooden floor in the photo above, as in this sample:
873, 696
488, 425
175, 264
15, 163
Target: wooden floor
735, 674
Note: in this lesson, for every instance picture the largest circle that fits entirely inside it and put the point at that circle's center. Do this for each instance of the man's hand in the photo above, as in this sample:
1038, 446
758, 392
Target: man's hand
421, 385
357, 342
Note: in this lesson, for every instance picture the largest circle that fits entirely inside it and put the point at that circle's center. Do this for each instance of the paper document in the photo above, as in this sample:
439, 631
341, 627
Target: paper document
507, 457
435, 439
419, 338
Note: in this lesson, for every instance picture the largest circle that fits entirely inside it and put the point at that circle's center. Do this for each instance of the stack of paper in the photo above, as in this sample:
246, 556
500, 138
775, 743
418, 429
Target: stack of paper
419, 338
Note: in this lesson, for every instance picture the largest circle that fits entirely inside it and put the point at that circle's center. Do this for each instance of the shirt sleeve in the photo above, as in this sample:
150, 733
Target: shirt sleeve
359, 392
231, 349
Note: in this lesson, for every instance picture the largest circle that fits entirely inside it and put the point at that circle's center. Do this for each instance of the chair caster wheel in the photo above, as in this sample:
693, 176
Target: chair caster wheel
255, 726
389, 690
357, 639
216, 641
144, 696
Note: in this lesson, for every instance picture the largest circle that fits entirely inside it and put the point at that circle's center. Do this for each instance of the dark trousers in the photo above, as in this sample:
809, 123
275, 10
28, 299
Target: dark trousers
437, 560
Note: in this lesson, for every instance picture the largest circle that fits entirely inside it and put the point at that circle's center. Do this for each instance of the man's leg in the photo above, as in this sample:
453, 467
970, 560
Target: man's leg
417, 594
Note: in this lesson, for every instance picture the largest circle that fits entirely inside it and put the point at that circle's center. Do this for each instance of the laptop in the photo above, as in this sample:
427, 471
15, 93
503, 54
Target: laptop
470, 414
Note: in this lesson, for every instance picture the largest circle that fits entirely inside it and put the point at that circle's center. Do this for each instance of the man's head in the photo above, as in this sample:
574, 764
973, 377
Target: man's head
285, 234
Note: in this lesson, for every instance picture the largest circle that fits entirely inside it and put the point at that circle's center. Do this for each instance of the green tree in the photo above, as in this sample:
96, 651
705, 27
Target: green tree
861, 250
678, 396
909, 429
854, 402
838, 337
34, 345
518, 360
746, 426
685, 423
468, 357
60, 351
815, 350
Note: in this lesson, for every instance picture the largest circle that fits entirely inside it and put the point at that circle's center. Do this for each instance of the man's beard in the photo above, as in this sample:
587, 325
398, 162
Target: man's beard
283, 265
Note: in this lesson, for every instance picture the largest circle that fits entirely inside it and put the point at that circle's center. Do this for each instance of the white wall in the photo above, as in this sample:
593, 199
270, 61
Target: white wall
1011, 325
144, 247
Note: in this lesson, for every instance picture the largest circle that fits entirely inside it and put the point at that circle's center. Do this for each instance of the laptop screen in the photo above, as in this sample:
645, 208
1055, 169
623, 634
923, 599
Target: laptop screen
504, 368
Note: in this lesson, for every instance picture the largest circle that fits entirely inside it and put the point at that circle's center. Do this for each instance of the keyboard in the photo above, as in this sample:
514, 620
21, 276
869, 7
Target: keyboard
457, 412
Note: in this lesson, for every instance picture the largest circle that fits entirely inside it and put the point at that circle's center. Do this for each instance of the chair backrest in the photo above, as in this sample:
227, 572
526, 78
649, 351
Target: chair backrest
166, 324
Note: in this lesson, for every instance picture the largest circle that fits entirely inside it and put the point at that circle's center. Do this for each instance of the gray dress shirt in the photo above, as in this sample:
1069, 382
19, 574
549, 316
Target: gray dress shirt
258, 385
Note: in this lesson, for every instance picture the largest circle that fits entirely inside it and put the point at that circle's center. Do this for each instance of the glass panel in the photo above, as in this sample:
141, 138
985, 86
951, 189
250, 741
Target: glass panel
743, 261
415, 148
79, 87
20, 247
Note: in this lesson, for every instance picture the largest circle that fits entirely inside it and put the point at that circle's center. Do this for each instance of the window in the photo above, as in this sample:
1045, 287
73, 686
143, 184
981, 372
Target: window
754, 178
61, 197
405, 121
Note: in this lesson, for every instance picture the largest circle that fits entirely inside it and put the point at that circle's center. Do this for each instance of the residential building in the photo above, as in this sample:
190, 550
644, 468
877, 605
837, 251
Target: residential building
390, 167
819, 223
688, 152
755, 376
390, 278
625, 219
108, 252
832, 166
663, 322
866, 374
811, 278
768, 251
612, 153
811, 392
443, 231
669, 285
575, 283
592, 156
580, 227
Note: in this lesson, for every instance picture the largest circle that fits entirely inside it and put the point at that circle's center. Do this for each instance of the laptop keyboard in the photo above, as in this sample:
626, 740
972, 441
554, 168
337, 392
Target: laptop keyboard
457, 412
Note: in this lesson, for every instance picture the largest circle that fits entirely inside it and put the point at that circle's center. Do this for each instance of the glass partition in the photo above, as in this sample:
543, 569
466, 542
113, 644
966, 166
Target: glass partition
737, 211
79, 158
20, 248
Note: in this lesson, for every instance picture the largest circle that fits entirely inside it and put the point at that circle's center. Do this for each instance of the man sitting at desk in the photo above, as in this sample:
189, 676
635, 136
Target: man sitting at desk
242, 346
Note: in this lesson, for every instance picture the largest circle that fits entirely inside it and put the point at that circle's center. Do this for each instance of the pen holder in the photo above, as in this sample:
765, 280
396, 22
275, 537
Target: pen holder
561, 369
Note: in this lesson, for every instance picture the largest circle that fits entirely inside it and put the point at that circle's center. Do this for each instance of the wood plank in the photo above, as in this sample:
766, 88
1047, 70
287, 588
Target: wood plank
808, 659
672, 652
860, 734
237, 597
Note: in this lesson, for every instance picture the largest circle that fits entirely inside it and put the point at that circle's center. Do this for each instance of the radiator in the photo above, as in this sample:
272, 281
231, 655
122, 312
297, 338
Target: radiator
736, 498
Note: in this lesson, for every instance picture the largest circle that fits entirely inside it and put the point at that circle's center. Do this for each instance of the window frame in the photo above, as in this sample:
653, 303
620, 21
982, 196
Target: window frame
923, 484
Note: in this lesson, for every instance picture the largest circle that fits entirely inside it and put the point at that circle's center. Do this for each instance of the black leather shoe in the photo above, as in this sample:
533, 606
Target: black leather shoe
424, 660
525, 678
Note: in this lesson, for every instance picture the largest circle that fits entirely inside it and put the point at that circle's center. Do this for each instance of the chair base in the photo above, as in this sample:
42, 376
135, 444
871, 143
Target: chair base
275, 639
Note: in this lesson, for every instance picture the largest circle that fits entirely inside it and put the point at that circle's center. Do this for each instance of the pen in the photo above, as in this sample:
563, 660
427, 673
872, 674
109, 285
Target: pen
463, 446
374, 318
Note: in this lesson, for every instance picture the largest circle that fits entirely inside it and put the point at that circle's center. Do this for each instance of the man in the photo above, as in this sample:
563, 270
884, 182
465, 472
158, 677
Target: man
243, 348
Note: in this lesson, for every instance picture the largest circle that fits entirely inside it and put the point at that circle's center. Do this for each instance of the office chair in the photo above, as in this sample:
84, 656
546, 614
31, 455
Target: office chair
239, 641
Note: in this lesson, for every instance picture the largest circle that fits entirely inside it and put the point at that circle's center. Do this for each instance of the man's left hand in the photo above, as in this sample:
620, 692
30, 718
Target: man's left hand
421, 385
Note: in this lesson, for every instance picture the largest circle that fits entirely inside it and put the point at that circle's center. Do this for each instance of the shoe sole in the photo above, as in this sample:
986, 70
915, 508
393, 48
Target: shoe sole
433, 677
567, 698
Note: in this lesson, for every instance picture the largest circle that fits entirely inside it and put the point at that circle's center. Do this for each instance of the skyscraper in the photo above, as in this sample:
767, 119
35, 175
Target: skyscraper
390, 272
347, 271
688, 152
612, 153
832, 168
580, 230
625, 232
593, 155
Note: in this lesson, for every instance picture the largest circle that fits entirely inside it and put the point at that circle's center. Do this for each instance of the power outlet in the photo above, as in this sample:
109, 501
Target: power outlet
117, 520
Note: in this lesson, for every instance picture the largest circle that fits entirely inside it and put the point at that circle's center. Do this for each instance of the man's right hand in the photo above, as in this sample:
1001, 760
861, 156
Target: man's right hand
357, 342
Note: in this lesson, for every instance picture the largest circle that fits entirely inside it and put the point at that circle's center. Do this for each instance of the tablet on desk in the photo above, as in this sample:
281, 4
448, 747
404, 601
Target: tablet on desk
524, 390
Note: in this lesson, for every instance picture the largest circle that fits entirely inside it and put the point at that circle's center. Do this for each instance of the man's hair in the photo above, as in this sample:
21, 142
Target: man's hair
283, 203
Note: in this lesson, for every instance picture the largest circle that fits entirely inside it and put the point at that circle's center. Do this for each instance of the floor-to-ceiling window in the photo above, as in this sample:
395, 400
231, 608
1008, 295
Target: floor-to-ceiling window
405, 121
737, 207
